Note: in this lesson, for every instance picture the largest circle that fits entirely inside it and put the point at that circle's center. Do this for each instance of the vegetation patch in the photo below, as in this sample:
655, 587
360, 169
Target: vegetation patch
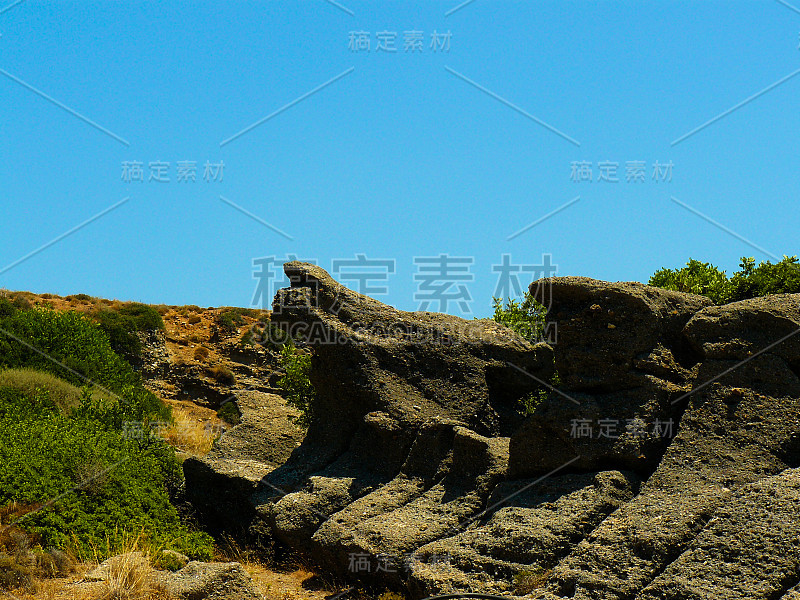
74, 474
295, 383
122, 324
750, 281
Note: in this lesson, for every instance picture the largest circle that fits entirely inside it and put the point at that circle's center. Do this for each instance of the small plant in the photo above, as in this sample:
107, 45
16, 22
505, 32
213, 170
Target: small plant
529, 580
222, 374
167, 561
201, 353
295, 382
194, 319
230, 413
529, 403
527, 317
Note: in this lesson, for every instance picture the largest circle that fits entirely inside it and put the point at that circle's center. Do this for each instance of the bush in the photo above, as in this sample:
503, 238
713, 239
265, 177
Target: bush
230, 413
71, 478
122, 324
71, 347
750, 281
201, 353
266, 334
229, 320
295, 382
527, 318
99, 477
80, 297
63, 394
222, 374
13, 575
696, 277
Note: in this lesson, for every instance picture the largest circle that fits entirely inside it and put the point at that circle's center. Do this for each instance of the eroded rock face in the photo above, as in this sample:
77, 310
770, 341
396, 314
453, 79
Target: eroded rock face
220, 484
622, 360
421, 470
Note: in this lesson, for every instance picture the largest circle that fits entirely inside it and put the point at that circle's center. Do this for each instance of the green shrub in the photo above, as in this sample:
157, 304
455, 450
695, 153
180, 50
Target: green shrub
122, 324
750, 281
229, 320
166, 561
295, 382
527, 317
266, 334
696, 277
230, 413
529, 404
63, 394
71, 347
80, 297
87, 480
80, 471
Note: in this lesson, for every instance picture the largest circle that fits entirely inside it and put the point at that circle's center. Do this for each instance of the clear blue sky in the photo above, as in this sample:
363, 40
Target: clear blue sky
406, 154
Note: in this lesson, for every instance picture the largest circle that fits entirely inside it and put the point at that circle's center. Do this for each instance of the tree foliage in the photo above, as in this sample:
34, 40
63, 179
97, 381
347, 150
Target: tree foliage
750, 281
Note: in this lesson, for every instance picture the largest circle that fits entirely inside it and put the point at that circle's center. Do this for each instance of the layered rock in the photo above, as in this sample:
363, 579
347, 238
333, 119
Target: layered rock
419, 451
220, 484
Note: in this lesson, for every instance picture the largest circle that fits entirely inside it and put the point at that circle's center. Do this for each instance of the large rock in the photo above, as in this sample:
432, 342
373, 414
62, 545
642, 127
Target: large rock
611, 335
536, 524
220, 484
413, 366
209, 581
622, 360
387, 381
741, 425
418, 449
749, 550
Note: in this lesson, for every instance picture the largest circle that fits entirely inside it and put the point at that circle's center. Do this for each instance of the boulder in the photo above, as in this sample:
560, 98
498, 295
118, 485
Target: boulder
220, 484
208, 581
420, 469
622, 359
388, 380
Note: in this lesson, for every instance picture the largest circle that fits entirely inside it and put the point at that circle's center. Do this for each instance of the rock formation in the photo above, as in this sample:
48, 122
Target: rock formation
665, 467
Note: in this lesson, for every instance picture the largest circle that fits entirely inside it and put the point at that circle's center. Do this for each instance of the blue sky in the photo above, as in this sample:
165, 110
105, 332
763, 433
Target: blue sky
402, 155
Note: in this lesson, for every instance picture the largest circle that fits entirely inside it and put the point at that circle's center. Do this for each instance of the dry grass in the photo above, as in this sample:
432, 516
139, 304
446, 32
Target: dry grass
62, 393
129, 578
195, 429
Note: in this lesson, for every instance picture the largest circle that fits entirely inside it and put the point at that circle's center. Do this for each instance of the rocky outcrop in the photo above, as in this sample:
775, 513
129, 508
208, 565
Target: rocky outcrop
220, 484
622, 361
664, 466
209, 581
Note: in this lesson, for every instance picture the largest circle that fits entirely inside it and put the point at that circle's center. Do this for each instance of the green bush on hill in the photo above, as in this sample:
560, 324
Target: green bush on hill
122, 324
71, 347
750, 281
73, 464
